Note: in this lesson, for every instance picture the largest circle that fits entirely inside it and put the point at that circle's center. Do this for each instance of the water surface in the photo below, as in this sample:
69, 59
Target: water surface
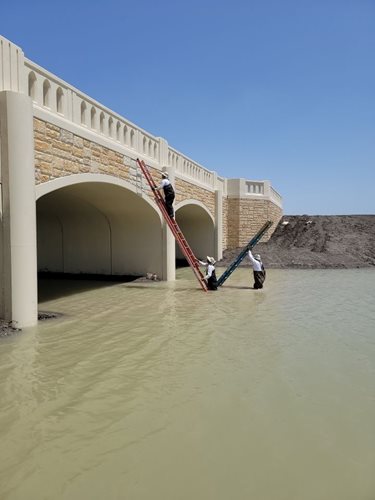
158, 391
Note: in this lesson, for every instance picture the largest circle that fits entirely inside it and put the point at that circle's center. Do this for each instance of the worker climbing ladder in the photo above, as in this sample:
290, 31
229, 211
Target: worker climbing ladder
176, 231
243, 252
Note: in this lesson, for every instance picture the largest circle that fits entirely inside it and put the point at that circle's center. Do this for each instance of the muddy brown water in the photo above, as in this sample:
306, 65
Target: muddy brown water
158, 391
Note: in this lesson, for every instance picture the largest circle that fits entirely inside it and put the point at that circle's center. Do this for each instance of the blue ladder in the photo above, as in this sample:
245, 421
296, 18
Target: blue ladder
243, 252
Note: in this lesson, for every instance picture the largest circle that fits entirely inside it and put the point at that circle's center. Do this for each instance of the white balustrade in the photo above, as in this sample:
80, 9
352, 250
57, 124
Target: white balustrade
189, 169
254, 187
57, 97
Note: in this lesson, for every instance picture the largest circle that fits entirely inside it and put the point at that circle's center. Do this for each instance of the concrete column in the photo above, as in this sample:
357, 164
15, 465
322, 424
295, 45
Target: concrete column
169, 242
18, 211
169, 254
218, 224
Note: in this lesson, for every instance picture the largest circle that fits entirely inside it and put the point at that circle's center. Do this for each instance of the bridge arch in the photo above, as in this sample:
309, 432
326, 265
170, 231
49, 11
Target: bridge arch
97, 224
198, 226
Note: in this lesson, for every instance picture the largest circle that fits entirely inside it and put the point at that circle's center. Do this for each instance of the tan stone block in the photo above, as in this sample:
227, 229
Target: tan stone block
42, 145
112, 170
45, 168
61, 146
66, 136
96, 154
39, 125
39, 135
71, 167
40, 178
50, 126
51, 133
111, 155
104, 161
78, 141
125, 175
58, 163
59, 153
56, 174
77, 152
86, 162
96, 147
43, 156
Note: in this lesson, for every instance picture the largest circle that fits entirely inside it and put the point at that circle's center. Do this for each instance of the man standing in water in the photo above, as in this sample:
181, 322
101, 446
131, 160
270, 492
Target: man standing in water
258, 270
169, 193
210, 273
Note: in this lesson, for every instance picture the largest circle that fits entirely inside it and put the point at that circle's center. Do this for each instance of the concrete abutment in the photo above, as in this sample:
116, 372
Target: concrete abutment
18, 218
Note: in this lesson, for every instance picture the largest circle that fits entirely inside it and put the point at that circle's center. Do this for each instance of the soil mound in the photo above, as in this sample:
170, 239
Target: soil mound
319, 241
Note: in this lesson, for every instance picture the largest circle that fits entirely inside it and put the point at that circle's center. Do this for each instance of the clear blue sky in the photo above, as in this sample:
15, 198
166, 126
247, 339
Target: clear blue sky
269, 89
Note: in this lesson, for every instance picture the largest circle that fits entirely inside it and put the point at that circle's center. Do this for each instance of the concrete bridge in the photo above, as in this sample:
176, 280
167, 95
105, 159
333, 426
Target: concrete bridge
73, 200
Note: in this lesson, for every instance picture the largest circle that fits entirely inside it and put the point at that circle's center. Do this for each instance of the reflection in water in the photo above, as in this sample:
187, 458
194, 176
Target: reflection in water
159, 391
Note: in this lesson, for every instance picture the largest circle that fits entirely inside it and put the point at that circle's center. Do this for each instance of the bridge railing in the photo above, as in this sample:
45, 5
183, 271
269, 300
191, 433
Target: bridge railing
59, 98
190, 169
244, 188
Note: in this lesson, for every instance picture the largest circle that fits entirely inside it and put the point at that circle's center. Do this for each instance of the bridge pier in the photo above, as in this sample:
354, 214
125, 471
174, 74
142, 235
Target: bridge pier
169, 242
18, 259
219, 224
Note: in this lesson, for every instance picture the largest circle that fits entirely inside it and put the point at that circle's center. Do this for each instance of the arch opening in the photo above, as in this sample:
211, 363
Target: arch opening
199, 230
97, 229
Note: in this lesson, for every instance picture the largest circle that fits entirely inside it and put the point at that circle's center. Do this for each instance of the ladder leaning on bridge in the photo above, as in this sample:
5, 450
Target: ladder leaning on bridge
176, 231
243, 252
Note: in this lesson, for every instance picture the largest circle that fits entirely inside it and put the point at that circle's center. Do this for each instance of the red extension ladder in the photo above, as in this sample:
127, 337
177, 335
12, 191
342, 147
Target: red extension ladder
176, 231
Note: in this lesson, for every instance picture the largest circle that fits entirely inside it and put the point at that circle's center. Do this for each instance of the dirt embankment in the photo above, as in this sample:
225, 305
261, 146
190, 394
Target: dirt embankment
319, 241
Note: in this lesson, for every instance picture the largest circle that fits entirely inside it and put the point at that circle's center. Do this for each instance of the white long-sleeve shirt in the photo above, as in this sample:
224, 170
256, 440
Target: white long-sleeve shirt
257, 264
164, 183
209, 270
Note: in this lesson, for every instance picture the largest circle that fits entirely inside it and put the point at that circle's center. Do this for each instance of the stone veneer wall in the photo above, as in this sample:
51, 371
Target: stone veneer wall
187, 190
233, 219
246, 217
225, 223
59, 152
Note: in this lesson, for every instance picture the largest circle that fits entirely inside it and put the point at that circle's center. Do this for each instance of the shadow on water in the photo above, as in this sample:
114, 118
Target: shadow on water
55, 285
181, 263
238, 287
